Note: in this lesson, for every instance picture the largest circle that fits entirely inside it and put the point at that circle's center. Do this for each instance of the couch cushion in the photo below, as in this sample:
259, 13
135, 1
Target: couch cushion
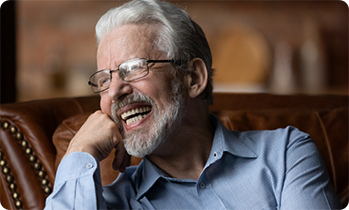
336, 124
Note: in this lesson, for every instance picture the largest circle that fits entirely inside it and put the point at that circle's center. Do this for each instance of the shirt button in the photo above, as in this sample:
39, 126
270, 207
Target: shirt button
215, 154
89, 165
202, 185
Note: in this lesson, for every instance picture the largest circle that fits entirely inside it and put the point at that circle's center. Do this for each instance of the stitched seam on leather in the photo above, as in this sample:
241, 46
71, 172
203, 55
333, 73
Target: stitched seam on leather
69, 128
78, 105
328, 146
343, 197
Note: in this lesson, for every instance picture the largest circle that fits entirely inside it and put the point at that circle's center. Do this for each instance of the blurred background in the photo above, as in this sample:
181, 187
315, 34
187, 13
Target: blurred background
48, 48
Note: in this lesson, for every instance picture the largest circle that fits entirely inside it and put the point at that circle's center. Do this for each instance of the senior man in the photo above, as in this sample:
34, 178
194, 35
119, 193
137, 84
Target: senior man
155, 83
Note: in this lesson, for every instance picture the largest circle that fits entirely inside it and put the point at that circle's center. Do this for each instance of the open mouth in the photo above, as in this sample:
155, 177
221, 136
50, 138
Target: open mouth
134, 115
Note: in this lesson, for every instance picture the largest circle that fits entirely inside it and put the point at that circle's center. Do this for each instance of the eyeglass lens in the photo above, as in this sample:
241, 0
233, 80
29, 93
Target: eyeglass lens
128, 71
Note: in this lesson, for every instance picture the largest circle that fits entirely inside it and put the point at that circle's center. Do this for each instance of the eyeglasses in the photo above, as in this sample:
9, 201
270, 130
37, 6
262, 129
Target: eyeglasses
128, 71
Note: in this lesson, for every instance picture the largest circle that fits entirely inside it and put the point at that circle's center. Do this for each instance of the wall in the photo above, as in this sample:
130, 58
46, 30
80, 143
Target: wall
257, 46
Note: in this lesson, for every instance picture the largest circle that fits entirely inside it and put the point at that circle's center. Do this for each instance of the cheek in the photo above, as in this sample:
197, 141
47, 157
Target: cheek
105, 104
158, 90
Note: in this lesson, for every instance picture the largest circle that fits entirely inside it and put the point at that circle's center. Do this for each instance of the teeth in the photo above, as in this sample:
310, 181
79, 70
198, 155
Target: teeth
135, 119
127, 114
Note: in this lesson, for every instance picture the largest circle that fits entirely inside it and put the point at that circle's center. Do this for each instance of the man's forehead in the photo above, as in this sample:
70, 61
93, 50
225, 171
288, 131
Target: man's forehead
130, 34
127, 42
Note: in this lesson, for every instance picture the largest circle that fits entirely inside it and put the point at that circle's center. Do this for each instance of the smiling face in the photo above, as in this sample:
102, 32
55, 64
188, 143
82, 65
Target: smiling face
146, 109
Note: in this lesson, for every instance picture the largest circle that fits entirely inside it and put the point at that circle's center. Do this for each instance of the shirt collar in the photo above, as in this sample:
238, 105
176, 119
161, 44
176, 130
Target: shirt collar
223, 141
150, 174
230, 141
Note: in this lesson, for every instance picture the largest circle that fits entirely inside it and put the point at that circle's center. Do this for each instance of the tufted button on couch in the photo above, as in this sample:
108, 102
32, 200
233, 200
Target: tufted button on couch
34, 136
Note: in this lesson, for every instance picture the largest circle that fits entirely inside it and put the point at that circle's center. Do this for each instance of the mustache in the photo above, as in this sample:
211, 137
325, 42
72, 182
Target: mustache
129, 99
132, 98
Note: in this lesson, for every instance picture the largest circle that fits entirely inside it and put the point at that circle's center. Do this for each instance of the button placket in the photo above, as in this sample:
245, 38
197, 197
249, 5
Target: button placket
202, 185
207, 195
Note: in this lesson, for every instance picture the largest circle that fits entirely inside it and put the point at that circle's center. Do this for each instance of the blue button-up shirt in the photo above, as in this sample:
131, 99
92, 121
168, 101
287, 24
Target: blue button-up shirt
279, 169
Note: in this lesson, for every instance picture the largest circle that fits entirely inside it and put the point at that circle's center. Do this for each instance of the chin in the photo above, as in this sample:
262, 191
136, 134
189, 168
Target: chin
141, 142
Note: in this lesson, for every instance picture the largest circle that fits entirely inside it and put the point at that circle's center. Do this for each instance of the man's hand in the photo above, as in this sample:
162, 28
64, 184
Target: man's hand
98, 136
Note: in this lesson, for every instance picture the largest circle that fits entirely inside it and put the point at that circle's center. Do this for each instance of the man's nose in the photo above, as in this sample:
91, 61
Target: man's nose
118, 88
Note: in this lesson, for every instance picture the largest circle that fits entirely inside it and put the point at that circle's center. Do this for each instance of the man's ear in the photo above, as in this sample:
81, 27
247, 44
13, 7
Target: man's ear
197, 79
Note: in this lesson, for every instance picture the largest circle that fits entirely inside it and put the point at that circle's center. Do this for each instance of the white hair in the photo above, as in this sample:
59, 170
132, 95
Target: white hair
178, 36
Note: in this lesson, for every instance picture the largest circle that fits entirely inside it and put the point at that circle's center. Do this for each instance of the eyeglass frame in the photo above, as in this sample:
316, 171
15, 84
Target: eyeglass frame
177, 62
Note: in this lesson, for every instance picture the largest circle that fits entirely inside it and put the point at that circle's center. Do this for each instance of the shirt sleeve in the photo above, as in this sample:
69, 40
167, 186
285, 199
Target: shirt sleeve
77, 184
306, 184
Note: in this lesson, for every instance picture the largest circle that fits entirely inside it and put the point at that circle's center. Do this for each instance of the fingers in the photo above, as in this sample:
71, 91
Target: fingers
122, 159
98, 136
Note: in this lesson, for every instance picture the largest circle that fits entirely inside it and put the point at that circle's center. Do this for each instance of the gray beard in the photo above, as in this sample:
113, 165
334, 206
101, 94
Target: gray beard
140, 142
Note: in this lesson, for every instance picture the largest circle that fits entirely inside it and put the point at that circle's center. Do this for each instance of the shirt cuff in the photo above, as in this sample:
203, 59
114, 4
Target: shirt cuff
76, 165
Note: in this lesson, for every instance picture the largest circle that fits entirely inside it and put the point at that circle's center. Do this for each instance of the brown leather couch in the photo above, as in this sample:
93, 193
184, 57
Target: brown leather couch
34, 136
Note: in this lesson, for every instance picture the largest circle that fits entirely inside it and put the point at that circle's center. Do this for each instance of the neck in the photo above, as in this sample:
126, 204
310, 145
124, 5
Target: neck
184, 153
